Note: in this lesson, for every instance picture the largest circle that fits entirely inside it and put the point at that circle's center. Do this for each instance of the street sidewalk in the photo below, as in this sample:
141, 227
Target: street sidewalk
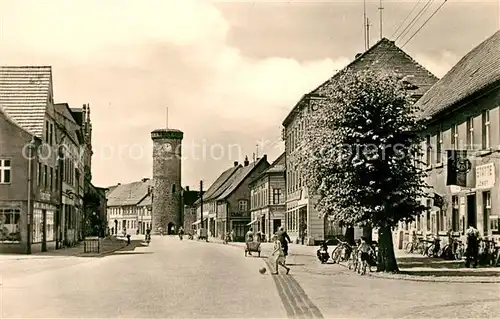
412, 267
108, 246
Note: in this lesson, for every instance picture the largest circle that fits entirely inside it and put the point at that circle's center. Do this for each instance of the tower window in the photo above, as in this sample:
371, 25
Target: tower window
173, 188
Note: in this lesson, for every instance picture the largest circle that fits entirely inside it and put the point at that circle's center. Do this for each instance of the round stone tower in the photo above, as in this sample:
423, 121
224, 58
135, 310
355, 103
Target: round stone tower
167, 155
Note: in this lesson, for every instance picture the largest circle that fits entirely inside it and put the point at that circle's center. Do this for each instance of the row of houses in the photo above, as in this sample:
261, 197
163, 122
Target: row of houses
462, 111
47, 200
129, 207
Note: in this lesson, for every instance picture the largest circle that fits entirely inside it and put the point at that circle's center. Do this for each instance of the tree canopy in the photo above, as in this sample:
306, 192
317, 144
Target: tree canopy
361, 150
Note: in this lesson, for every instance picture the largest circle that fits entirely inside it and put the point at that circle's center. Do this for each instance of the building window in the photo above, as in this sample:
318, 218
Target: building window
45, 176
486, 129
470, 133
439, 142
39, 174
9, 224
242, 205
428, 215
51, 178
46, 131
173, 189
276, 196
455, 214
441, 220
454, 136
51, 137
428, 151
5, 171
486, 212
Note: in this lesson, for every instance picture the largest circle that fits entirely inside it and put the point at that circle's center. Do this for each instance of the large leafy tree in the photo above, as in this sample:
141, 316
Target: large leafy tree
360, 155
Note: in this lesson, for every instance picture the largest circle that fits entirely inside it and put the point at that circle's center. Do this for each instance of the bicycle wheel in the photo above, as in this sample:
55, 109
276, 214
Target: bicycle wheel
409, 248
459, 252
336, 253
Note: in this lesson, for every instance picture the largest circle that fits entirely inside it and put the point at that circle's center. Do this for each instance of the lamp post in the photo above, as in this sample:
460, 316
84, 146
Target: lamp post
151, 193
29, 223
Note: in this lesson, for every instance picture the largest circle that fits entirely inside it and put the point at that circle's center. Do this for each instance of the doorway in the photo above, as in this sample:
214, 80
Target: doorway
276, 225
471, 211
171, 229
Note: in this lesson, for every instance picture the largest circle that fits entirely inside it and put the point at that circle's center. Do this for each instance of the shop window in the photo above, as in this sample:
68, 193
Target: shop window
9, 225
37, 226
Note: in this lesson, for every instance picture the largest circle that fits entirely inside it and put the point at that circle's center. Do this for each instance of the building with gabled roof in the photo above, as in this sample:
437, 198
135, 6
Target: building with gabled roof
462, 112
226, 203
267, 199
301, 217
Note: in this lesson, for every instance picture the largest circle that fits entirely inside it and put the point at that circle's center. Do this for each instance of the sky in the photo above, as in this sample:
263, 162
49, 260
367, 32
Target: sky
228, 72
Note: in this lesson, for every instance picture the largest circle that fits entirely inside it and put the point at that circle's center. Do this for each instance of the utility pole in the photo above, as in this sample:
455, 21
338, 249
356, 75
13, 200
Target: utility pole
367, 33
201, 204
364, 25
380, 8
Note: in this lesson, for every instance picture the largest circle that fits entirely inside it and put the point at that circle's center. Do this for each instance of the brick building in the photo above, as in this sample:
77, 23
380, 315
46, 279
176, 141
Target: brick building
384, 56
267, 199
463, 115
226, 204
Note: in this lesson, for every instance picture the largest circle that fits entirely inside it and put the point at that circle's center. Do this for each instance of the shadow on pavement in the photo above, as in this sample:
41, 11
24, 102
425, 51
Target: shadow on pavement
122, 253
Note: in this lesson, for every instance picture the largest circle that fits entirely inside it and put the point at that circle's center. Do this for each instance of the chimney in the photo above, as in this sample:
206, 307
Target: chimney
235, 163
246, 162
187, 188
358, 55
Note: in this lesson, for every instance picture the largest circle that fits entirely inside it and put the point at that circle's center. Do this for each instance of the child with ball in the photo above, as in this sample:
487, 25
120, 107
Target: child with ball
280, 258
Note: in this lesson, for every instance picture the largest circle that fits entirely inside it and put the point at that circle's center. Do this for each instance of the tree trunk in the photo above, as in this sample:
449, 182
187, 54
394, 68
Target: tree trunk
349, 235
386, 260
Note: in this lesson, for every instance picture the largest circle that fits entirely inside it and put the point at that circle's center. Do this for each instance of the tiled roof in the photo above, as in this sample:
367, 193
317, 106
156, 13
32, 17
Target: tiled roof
474, 72
238, 178
24, 94
220, 181
382, 56
10, 120
128, 194
278, 165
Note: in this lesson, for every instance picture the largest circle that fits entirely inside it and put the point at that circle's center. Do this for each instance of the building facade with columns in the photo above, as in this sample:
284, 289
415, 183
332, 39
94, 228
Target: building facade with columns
463, 127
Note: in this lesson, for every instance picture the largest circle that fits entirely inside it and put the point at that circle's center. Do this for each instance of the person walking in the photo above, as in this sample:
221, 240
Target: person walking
280, 256
284, 240
472, 251
249, 239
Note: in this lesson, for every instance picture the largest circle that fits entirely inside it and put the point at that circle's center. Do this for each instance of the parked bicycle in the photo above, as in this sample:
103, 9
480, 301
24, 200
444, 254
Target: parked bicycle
342, 252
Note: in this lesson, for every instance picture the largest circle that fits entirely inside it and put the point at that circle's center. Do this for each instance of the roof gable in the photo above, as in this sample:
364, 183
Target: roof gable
128, 194
25, 92
384, 56
7, 118
242, 174
477, 70
219, 182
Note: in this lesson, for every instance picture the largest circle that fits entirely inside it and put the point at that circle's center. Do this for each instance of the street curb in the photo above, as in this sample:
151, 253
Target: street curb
444, 279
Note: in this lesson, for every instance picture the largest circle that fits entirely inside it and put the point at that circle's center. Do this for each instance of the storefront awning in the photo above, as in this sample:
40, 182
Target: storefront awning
196, 222
252, 222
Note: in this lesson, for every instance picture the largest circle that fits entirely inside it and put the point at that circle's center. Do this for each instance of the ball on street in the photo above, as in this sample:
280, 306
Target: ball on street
262, 270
